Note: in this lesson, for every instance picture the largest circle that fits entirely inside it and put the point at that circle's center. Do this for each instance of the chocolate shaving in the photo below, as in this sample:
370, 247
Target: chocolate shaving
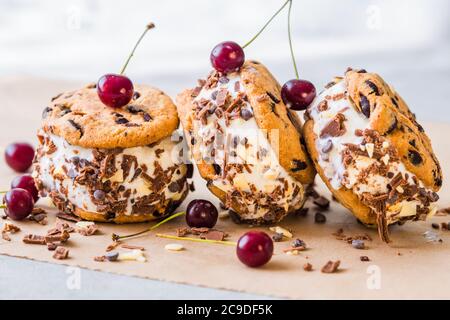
61, 253
34, 239
335, 127
331, 266
68, 217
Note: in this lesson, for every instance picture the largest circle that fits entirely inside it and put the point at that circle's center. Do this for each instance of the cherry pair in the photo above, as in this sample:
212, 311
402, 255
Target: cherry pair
19, 201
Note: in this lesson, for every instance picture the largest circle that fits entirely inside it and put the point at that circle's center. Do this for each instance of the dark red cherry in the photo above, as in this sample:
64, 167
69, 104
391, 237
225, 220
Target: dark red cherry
19, 203
254, 248
298, 94
19, 156
26, 182
201, 214
115, 90
227, 56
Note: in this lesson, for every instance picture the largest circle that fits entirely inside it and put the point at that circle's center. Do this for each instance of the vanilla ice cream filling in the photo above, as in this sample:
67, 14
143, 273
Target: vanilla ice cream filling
243, 142
331, 161
52, 170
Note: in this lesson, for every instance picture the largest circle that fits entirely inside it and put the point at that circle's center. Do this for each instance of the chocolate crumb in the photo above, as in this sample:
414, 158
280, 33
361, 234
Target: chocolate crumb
307, 266
358, 244
435, 225
319, 218
364, 258
322, 202
61, 253
34, 239
331, 266
51, 246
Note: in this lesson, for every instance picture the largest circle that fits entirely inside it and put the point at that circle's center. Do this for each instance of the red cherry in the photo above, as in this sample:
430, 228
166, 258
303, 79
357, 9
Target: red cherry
201, 214
254, 248
298, 94
115, 90
26, 182
19, 156
19, 203
227, 56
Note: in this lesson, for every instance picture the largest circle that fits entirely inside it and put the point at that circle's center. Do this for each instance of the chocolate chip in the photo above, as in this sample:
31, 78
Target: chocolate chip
190, 170
46, 111
146, 117
76, 126
246, 114
373, 86
174, 187
223, 79
327, 147
302, 212
414, 157
358, 244
362, 71
322, 202
435, 225
335, 127
99, 195
364, 105
214, 95
364, 258
193, 141
273, 98
319, 218
217, 168
277, 237
112, 256
136, 95
133, 109
299, 165
121, 120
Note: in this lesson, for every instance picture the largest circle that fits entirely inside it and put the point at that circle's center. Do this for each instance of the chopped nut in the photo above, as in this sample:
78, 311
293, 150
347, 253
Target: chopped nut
370, 148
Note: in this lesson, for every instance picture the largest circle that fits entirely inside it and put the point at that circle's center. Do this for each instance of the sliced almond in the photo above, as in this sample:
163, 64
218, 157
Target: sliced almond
283, 231
174, 247
369, 148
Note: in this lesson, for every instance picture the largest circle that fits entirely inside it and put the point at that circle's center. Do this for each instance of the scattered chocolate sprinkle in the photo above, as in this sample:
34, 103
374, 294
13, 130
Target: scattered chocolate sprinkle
61, 253
307, 266
364, 258
88, 230
34, 239
331, 266
302, 212
213, 235
51, 246
68, 217
322, 202
246, 114
319, 218
435, 225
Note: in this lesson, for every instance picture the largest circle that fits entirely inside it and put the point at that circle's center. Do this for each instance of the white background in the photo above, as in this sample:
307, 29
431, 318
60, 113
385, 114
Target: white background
406, 41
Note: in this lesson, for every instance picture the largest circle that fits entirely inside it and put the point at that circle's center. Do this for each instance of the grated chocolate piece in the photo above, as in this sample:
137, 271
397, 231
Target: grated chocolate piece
61, 253
34, 239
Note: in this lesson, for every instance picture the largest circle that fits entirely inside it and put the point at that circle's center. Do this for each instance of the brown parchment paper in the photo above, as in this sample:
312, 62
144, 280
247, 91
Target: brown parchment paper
410, 267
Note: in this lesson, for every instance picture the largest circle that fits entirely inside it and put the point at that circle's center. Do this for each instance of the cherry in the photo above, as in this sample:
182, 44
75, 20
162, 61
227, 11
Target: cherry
115, 90
19, 156
201, 214
227, 56
254, 248
298, 94
26, 182
19, 203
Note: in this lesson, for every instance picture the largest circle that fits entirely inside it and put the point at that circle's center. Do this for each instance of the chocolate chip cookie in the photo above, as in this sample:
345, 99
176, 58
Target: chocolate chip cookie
246, 143
114, 165
370, 151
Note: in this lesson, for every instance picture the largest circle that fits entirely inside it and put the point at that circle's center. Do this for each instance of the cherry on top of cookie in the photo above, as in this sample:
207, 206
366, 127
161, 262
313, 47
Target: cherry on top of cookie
83, 120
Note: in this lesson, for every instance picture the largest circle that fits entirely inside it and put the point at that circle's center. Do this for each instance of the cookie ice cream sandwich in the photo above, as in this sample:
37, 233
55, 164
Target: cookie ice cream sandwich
246, 143
370, 151
113, 165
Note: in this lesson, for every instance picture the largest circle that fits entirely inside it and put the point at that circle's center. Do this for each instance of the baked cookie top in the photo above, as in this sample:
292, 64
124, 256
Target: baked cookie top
83, 120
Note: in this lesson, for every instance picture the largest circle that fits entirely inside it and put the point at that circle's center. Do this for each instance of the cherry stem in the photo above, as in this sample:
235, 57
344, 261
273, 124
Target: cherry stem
2, 207
1, 192
149, 26
290, 40
116, 237
267, 23
168, 236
